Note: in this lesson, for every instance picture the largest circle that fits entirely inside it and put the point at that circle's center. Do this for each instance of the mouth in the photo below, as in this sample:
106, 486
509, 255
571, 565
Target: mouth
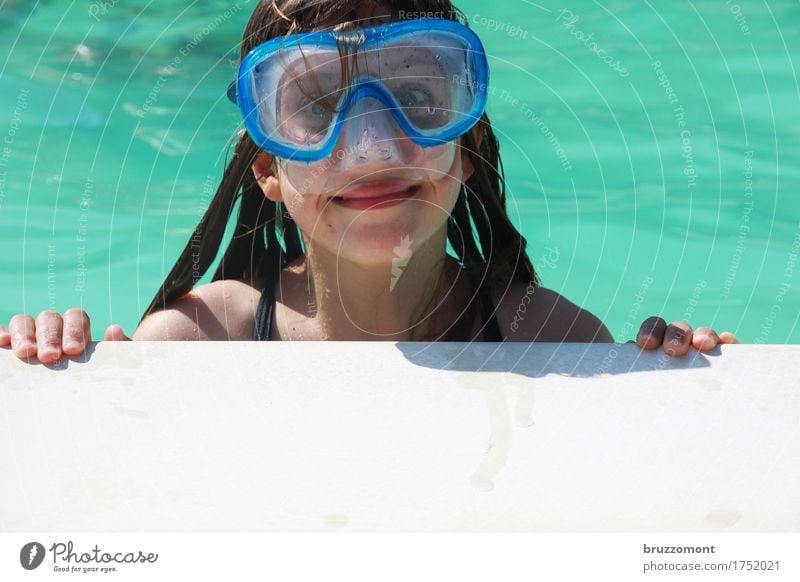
377, 195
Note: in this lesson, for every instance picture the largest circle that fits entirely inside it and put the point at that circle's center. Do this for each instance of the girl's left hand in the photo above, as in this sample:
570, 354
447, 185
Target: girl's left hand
678, 337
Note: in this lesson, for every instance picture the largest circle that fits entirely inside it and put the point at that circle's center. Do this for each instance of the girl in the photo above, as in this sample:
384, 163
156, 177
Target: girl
367, 151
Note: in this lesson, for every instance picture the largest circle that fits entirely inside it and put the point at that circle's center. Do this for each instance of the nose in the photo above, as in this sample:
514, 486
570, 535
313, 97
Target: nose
370, 133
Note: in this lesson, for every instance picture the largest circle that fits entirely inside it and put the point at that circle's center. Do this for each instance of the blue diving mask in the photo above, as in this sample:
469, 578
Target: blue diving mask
332, 106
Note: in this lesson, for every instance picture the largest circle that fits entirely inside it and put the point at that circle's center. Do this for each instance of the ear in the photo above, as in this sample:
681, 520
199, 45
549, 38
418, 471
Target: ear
466, 161
265, 176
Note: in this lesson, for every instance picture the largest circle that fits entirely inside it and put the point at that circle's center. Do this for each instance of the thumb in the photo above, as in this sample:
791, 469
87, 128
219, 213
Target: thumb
114, 333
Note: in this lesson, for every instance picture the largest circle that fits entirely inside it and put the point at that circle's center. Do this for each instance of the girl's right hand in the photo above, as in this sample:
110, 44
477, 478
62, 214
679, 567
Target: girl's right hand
51, 335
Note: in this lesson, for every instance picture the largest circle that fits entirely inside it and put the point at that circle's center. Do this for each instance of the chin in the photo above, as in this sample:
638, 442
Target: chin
378, 249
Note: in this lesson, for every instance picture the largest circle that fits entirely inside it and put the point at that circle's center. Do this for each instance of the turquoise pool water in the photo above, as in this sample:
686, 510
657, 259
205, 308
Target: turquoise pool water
651, 151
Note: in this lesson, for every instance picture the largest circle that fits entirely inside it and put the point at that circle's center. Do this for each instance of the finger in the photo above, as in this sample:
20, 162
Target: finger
49, 327
651, 333
677, 339
705, 339
727, 337
5, 336
77, 331
23, 336
114, 333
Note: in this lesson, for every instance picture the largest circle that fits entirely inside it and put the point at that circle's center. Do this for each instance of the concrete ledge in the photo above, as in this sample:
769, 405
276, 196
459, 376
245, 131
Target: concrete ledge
369, 436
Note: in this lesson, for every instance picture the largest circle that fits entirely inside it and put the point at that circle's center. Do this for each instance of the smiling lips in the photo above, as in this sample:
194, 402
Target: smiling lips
377, 195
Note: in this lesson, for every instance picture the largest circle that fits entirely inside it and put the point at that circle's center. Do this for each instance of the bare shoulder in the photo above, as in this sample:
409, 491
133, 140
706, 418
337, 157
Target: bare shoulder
222, 310
536, 314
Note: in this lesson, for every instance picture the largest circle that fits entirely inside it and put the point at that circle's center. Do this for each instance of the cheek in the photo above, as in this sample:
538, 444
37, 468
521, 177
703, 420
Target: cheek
445, 191
311, 214
292, 199
303, 208
442, 198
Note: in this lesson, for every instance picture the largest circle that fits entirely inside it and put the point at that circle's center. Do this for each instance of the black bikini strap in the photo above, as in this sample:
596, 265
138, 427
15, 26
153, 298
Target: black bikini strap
266, 304
491, 329
263, 323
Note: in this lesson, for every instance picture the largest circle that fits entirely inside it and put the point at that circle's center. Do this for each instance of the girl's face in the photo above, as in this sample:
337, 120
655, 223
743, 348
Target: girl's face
370, 223
373, 221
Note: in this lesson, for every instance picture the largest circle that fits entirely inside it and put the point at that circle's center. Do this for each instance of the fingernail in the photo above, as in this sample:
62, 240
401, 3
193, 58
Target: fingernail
26, 349
48, 353
706, 341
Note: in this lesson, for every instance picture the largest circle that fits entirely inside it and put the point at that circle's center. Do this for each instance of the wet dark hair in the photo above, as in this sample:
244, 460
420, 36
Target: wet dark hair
489, 248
